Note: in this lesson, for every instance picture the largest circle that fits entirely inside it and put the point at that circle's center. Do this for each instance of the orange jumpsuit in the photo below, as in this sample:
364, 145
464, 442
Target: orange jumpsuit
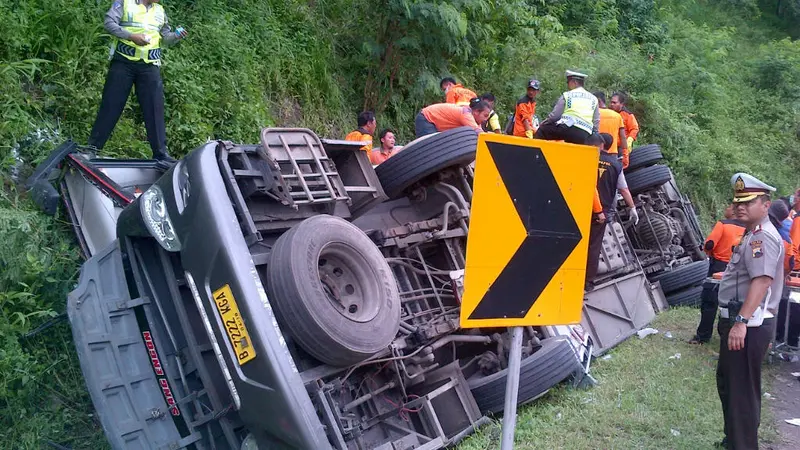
459, 95
794, 235
445, 116
360, 135
611, 122
631, 124
725, 235
525, 110
377, 155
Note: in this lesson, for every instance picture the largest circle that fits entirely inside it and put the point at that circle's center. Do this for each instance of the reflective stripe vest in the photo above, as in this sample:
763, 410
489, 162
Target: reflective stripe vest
580, 105
138, 19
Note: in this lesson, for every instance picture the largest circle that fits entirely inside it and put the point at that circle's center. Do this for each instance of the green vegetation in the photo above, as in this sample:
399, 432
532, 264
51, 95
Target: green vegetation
642, 396
713, 82
42, 395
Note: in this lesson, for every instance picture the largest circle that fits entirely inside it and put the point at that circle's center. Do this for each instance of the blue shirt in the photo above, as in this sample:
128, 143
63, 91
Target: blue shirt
786, 225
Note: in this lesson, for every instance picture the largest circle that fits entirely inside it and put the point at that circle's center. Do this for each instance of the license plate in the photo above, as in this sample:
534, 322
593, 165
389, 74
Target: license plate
234, 325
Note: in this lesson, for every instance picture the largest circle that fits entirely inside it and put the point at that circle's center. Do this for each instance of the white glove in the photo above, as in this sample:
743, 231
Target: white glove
634, 215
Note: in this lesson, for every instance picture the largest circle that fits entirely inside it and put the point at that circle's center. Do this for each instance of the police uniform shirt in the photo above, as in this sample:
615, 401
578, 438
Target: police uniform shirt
114, 16
759, 253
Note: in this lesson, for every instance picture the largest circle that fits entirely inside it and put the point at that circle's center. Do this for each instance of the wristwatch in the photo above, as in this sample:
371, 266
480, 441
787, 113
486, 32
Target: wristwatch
740, 319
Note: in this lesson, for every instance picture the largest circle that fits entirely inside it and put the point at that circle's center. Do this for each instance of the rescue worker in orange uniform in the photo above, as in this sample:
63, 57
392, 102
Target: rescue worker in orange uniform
445, 116
791, 338
719, 246
524, 125
456, 93
794, 232
387, 148
778, 212
618, 101
611, 123
366, 128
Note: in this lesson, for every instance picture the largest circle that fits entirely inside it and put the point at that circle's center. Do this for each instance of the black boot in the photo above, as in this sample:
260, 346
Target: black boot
162, 155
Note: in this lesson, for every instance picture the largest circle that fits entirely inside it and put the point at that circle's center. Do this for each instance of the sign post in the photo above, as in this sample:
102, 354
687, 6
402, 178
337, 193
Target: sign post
527, 242
512, 390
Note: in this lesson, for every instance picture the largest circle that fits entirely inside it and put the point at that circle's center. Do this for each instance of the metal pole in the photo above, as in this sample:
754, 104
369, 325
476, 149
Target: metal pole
512, 389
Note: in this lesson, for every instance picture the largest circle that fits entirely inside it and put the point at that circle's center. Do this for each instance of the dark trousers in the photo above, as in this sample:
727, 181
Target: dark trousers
552, 132
423, 126
739, 383
596, 233
708, 303
122, 75
794, 321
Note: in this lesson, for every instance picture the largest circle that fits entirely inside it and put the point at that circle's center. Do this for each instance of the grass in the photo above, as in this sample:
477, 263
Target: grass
644, 399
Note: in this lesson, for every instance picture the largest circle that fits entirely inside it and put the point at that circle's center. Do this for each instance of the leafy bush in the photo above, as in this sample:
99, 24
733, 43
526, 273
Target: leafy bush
42, 396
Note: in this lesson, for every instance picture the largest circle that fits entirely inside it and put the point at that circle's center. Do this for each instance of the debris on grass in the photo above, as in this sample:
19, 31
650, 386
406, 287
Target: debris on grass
795, 422
674, 432
644, 332
668, 335
675, 356
606, 357
790, 358
767, 395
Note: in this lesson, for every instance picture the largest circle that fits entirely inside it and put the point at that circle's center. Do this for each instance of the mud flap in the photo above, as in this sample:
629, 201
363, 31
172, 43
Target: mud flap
119, 363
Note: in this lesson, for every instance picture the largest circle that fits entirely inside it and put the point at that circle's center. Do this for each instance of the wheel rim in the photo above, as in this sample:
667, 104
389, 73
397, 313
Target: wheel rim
349, 283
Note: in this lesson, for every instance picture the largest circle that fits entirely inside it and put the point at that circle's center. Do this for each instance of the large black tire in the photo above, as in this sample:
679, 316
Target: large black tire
333, 291
647, 177
426, 156
644, 156
681, 277
686, 297
554, 362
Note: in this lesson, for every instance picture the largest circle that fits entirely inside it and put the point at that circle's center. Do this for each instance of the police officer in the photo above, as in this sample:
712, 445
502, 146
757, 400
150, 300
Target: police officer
575, 115
139, 28
748, 300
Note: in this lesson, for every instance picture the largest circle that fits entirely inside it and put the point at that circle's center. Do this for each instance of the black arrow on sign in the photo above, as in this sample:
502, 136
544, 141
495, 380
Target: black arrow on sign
552, 233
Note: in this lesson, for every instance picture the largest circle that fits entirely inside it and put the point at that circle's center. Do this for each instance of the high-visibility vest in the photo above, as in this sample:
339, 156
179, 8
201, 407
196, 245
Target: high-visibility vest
138, 19
580, 105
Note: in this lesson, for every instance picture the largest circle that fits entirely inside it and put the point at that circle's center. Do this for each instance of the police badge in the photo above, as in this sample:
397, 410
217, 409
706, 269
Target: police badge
756, 247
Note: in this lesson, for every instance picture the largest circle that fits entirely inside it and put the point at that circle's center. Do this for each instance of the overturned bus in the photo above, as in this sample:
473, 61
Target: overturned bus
288, 295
